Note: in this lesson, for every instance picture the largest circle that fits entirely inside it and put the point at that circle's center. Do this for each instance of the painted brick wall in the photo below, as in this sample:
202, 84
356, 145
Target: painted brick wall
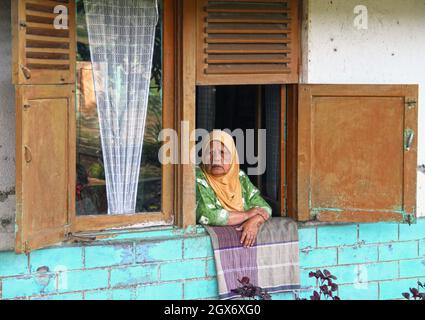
371, 261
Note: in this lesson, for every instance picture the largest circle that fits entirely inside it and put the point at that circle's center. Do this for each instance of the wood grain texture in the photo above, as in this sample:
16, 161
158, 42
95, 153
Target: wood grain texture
240, 39
291, 152
186, 197
42, 53
283, 188
44, 117
352, 161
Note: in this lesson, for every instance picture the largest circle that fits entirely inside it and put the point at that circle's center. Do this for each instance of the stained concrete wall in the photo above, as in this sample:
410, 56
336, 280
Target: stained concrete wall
390, 51
371, 261
7, 132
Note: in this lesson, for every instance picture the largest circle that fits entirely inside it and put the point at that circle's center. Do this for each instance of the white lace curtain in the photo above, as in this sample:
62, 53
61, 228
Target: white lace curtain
121, 38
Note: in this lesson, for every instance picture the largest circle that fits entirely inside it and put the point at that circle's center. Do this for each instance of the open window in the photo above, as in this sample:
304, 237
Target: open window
252, 114
335, 153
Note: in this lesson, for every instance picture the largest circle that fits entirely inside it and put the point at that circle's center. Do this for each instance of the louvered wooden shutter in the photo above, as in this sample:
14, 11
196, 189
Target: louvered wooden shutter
44, 77
247, 42
44, 53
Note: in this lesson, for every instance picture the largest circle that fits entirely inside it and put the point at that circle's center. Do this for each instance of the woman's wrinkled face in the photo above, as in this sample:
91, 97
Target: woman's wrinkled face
218, 159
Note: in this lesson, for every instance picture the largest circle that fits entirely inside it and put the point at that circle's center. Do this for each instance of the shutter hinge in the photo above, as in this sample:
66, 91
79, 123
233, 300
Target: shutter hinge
23, 24
411, 103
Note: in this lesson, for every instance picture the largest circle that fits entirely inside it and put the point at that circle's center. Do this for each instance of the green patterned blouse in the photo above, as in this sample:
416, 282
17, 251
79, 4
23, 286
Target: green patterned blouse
209, 210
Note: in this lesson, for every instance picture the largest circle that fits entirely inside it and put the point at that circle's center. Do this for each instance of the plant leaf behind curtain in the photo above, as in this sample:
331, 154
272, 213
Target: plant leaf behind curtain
121, 38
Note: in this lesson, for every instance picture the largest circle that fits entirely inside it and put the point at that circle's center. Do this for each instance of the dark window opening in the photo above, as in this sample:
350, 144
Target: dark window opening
248, 107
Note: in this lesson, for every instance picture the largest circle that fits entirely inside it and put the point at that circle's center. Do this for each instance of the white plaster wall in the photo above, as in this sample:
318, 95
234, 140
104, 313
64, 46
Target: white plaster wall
390, 51
7, 132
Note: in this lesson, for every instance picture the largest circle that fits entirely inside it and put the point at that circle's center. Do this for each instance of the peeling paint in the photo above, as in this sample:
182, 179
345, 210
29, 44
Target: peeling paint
327, 209
6, 194
4, 222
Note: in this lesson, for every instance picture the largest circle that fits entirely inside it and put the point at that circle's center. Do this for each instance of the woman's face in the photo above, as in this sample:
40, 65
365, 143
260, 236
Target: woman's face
218, 159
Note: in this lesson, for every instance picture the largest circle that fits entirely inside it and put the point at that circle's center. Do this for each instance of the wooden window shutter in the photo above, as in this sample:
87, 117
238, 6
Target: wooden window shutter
247, 42
44, 48
45, 123
357, 153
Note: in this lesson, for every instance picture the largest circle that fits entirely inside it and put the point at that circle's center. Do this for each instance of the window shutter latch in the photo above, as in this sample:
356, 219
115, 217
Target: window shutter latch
26, 72
27, 154
409, 135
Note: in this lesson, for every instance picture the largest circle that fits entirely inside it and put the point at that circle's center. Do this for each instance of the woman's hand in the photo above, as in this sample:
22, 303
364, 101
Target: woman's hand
250, 230
236, 217
257, 211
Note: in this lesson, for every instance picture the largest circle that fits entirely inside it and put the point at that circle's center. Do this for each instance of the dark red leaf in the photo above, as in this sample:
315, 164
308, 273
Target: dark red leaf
414, 291
324, 289
238, 290
258, 291
406, 295
266, 296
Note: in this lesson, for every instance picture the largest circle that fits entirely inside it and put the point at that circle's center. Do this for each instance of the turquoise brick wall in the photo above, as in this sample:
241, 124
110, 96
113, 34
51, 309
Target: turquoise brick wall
371, 261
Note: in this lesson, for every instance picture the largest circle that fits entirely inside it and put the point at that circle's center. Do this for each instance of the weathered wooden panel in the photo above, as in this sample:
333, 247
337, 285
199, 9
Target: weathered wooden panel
247, 42
45, 172
354, 161
44, 41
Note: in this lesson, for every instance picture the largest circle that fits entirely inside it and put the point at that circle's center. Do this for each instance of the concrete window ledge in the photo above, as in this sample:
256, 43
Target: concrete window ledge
149, 234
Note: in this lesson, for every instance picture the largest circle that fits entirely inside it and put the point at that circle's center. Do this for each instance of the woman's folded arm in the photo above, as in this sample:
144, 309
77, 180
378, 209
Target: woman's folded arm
253, 196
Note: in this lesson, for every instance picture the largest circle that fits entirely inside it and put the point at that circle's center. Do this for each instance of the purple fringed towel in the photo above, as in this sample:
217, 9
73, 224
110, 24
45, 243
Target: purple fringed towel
272, 263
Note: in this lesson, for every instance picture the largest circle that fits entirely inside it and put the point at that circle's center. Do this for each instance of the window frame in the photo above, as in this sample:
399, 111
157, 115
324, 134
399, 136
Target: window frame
82, 223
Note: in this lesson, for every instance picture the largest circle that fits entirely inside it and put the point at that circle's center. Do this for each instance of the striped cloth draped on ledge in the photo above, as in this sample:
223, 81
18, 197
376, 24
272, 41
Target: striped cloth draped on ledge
272, 263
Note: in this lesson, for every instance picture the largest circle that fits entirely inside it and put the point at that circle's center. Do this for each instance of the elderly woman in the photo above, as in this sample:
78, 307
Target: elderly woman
224, 194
